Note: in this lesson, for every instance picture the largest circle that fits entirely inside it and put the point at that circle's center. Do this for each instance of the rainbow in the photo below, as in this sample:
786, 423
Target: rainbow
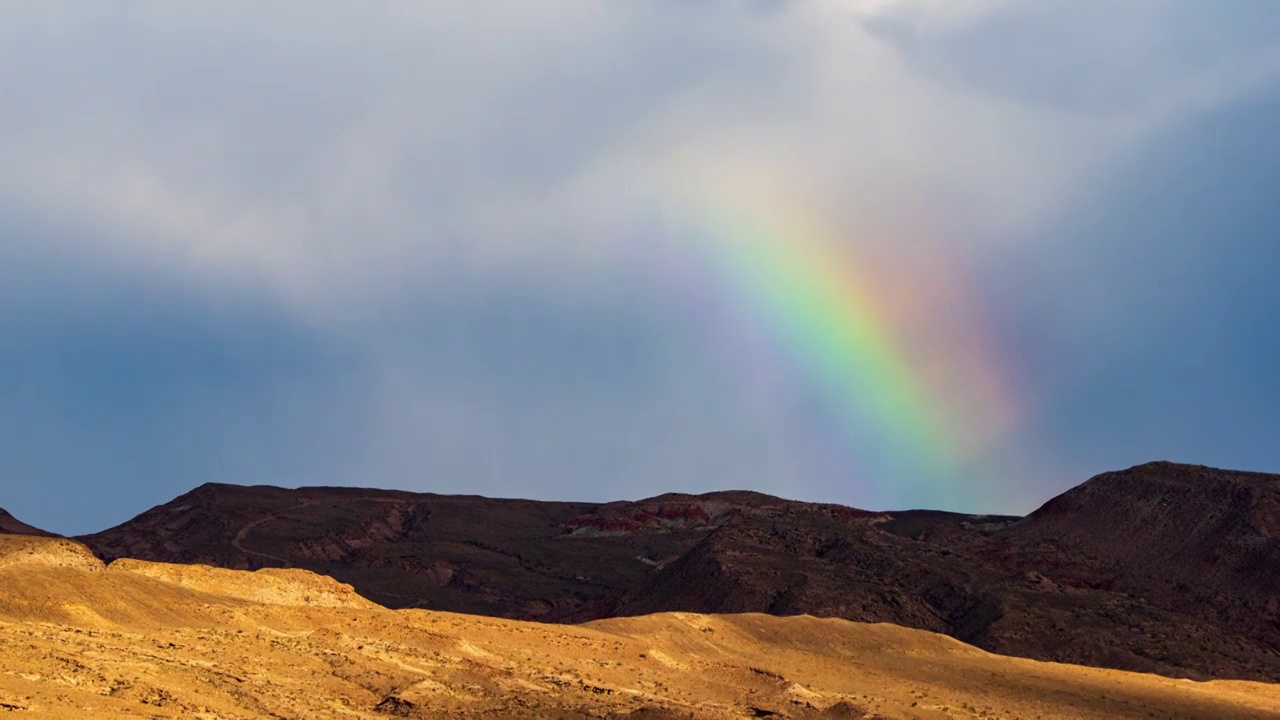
912, 386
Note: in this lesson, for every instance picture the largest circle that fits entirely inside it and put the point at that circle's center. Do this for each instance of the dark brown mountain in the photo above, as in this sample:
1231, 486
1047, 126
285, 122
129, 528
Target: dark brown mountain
506, 558
1161, 568
9, 525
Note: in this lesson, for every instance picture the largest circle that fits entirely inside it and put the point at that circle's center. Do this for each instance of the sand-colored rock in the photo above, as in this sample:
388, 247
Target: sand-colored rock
35, 551
267, 586
158, 641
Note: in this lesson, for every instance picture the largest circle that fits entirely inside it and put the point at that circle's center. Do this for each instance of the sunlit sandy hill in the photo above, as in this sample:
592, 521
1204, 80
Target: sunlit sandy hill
81, 640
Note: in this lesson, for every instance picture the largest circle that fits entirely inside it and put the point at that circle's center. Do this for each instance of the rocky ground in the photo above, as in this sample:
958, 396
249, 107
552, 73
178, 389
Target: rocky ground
140, 639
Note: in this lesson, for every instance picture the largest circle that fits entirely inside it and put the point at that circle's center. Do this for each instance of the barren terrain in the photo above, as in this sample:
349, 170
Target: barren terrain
141, 639
1162, 568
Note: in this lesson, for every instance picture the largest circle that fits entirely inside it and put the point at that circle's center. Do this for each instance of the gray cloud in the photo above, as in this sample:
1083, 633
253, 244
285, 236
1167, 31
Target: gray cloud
1093, 56
436, 190
321, 151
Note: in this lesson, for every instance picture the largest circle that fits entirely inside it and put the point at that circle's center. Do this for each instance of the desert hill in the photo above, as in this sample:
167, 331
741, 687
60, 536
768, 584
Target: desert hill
133, 638
9, 525
1162, 568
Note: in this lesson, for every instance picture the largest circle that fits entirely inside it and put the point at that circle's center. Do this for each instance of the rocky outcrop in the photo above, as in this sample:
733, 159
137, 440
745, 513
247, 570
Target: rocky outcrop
671, 513
290, 588
28, 551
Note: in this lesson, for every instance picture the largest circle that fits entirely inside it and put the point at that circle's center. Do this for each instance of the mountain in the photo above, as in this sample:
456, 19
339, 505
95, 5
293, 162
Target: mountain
134, 638
9, 525
1162, 568
506, 558
1200, 545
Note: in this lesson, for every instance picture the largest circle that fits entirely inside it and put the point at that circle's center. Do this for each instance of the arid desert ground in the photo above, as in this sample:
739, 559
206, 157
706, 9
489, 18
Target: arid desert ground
138, 639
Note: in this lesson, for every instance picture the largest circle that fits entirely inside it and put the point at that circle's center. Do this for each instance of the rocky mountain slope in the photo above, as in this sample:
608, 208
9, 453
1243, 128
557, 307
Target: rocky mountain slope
139, 639
1161, 568
9, 525
506, 558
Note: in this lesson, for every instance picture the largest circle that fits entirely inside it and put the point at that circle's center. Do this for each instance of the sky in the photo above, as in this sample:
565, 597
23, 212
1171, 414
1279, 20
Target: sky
888, 253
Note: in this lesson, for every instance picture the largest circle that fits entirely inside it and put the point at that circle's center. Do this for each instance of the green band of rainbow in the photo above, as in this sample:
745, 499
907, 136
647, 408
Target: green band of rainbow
803, 286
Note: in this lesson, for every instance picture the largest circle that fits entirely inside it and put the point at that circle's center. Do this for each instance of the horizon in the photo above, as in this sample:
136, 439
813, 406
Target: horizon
897, 253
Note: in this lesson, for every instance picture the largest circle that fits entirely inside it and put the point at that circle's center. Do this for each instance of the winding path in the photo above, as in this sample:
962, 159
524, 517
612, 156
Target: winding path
238, 541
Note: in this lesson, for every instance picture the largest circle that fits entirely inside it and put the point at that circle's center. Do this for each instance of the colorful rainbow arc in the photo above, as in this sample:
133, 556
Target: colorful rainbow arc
800, 284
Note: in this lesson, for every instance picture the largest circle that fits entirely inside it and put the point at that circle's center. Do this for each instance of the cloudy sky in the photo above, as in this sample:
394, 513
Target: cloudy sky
499, 247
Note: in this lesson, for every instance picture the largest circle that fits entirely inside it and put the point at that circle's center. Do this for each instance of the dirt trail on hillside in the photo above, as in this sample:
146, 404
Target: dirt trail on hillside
238, 541
162, 641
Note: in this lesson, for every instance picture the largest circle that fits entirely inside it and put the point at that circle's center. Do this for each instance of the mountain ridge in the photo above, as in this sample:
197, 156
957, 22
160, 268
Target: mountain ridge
9, 525
1161, 568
